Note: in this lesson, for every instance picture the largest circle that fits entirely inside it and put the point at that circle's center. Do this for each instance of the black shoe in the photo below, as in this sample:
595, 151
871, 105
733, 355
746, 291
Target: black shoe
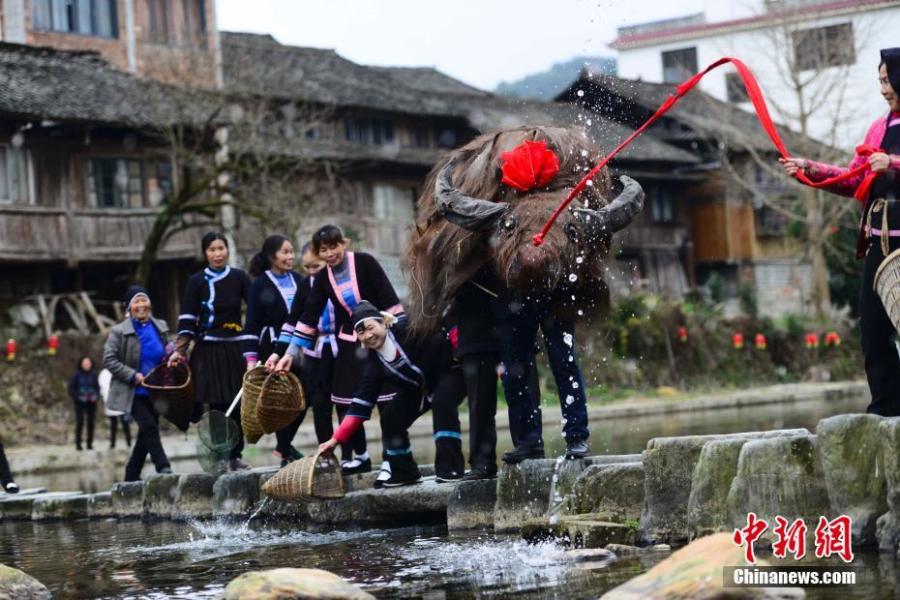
289, 456
451, 477
395, 481
237, 464
78, 447
165, 471
354, 466
12, 488
523, 452
479, 473
384, 473
576, 449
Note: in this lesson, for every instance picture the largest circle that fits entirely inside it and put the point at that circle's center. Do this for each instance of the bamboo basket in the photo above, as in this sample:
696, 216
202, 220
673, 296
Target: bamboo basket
280, 401
172, 393
887, 286
253, 383
312, 478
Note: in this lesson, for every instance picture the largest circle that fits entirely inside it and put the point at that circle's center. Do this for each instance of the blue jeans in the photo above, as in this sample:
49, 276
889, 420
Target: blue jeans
517, 353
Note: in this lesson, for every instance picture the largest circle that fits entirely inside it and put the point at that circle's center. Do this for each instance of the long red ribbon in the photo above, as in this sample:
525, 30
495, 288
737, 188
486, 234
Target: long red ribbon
762, 114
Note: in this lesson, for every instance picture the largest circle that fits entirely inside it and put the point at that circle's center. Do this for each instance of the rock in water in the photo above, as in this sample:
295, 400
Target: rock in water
284, 584
16, 585
695, 572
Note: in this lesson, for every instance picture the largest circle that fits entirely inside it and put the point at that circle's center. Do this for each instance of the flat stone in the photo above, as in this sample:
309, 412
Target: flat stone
471, 505
523, 489
669, 465
613, 459
581, 531
615, 490
100, 506
293, 583
888, 524
779, 476
159, 494
15, 507
194, 496
849, 451
695, 572
128, 499
18, 585
51, 508
235, 493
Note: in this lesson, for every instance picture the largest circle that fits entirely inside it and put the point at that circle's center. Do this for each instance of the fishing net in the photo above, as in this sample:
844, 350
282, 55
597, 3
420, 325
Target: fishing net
217, 436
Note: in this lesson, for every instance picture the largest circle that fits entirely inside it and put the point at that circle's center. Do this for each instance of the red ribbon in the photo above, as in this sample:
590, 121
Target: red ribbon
762, 114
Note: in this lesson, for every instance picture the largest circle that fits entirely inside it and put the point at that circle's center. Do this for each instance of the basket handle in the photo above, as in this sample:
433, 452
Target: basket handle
312, 471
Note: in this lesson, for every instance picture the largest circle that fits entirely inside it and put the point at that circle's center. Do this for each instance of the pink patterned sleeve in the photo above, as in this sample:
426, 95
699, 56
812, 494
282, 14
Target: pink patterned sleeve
817, 171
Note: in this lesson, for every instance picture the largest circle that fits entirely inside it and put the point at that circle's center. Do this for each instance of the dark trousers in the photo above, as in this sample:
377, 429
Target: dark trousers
5, 474
85, 411
126, 430
480, 374
148, 441
518, 358
357, 442
879, 351
445, 401
316, 376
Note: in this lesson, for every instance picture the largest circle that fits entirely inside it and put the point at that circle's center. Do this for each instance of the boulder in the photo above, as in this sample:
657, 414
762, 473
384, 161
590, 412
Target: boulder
159, 494
778, 476
613, 490
669, 465
523, 489
17, 585
471, 505
235, 494
695, 572
100, 506
284, 584
888, 524
194, 496
708, 501
128, 499
849, 451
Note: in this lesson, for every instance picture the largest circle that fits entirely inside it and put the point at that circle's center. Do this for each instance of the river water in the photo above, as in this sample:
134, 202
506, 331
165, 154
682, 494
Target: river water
132, 559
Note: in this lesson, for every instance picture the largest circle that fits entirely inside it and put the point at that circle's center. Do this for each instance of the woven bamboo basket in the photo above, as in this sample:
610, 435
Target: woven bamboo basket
252, 386
887, 286
312, 478
172, 393
280, 401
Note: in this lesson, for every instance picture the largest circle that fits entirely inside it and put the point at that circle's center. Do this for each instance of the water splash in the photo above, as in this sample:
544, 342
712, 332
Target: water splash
556, 498
258, 510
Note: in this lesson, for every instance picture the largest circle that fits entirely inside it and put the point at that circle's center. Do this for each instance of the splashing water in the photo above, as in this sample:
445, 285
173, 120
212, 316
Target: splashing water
556, 497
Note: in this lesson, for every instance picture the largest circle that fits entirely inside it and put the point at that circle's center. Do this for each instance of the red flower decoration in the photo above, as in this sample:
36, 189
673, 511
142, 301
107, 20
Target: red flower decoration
529, 165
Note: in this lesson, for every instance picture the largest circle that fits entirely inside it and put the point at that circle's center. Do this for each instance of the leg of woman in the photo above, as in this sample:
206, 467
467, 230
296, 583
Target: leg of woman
79, 423
559, 337
449, 393
480, 372
148, 441
5, 474
126, 429
91, 409
881, 360
396, 417
285, 438
113, 423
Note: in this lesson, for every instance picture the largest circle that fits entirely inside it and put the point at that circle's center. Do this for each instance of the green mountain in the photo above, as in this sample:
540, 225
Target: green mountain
547, 84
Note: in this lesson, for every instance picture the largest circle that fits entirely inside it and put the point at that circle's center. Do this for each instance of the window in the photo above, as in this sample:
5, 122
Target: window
369, 131
661, 205
87, 17
14, 183
394, 203
158, 29
679, 65
824, 47
194, 19
159, 183
126, 182
734, 88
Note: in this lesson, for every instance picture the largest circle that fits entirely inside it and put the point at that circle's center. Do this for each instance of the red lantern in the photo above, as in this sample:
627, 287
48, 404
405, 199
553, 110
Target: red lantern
760, 341
52, 345
812, 340
737, 340
832, 338
682, 334
11, 350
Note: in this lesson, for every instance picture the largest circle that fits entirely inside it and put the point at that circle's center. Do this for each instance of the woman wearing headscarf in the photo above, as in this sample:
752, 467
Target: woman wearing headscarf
134, 347
879, 233
211, 318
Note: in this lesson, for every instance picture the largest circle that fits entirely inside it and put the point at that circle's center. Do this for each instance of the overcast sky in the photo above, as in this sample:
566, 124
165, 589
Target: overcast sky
481, 42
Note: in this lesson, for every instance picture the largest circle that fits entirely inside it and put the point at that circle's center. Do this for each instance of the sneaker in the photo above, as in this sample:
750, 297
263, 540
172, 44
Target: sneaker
576, 449
523, 452
451, 477
395, 481
478, 473
237, 464
12, 487
384, 473
355, 465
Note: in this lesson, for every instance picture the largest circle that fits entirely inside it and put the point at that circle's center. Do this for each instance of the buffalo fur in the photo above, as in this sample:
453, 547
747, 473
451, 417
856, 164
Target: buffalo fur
440, 256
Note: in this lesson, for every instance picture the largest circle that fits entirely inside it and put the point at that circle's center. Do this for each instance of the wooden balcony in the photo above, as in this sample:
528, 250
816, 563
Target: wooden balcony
34, 233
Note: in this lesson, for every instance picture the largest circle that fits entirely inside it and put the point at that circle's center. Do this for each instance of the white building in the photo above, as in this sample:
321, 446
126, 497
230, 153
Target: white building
833, 44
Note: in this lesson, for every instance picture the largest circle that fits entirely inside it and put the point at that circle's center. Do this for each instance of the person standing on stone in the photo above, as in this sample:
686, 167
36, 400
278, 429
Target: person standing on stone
211, 319
6, 478
135, 347
879, 233
84, 390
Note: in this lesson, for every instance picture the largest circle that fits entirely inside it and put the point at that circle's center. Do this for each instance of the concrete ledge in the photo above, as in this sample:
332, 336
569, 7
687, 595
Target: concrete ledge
128, 499
159, 494
64, 507
471, 505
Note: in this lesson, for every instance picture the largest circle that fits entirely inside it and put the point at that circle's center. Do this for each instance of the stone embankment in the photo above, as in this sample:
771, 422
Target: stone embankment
678, 489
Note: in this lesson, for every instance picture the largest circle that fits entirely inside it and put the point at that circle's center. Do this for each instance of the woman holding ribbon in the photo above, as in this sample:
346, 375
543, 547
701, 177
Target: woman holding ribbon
879, 230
